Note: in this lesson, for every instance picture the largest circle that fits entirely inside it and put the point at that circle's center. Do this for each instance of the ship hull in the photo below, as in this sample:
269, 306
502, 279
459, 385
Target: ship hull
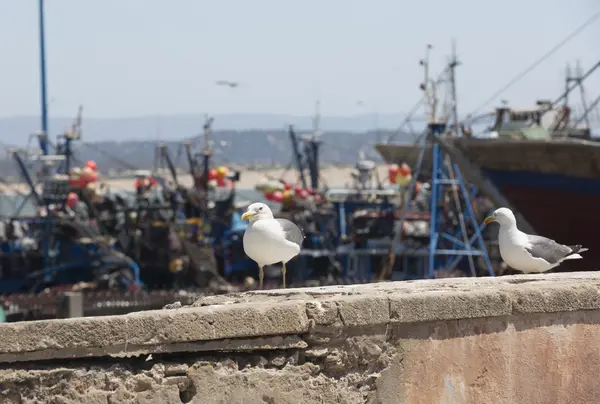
408, 153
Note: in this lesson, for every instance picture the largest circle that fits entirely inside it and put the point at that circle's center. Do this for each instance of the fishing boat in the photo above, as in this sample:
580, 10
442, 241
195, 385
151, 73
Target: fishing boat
545, 164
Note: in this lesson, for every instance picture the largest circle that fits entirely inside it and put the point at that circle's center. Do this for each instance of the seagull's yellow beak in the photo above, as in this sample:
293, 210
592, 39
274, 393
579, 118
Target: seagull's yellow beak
248, 215
487, 220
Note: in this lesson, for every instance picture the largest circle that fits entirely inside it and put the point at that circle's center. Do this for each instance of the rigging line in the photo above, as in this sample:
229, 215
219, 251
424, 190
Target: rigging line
179, 155
415, 108
7, 146
535, 64
591, 107
576, 83
110, 156
4, 183
407, 118
287, 169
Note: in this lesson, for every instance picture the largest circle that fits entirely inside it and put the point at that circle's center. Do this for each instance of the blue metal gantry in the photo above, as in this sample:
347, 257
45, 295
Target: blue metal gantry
448, 244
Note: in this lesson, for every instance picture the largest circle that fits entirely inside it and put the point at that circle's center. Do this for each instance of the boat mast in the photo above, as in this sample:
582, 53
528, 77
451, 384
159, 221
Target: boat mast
317, 118
312, 147
578, 79
567, 82
588, 108
570, 84
452, 66
43, 137
429, 86
207, 150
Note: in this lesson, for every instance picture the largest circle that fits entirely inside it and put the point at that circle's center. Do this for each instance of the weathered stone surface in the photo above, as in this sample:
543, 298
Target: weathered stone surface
205, 382
363, 310
517, 339
323, 313
531, 358
147, 332
550, 297
276, 312
443, 305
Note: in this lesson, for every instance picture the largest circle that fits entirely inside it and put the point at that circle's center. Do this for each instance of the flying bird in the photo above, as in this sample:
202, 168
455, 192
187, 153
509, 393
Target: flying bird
528, 253
232, 84
268, 241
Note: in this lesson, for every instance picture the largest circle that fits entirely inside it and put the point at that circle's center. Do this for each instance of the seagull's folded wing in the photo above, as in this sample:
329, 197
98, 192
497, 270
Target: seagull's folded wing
292, 232
547, 249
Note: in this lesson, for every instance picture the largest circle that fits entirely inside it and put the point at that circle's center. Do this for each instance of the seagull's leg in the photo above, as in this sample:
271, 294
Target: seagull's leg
261, 275
283, 271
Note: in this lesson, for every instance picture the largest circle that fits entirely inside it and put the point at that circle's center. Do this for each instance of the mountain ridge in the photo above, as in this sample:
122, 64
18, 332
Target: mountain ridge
16, 129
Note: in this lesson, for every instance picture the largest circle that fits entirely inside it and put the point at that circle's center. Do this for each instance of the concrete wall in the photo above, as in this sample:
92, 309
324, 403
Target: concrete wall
521, 339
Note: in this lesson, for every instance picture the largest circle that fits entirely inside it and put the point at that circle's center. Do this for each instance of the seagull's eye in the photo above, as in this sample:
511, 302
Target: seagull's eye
261, 208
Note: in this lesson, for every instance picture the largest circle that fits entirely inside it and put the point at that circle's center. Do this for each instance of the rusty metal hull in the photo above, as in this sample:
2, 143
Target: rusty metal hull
567, 217
554, 183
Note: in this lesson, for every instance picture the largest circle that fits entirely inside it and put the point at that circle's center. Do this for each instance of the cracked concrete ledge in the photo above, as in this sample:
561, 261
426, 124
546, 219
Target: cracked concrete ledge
276, 319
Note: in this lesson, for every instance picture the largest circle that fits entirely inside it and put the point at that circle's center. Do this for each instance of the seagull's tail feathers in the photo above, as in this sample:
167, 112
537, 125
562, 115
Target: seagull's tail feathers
575, 250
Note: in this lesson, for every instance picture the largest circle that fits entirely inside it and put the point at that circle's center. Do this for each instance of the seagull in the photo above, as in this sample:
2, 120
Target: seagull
232, 84
268, 240
527, 253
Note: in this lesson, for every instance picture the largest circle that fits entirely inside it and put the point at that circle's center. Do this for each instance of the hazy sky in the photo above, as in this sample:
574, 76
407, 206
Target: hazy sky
145, 57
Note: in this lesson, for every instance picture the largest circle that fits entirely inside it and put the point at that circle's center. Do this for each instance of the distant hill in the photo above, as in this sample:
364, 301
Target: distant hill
15, 130
120, 144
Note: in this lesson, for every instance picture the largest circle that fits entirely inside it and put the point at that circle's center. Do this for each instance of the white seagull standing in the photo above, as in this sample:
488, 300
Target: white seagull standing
527, 253
268, 241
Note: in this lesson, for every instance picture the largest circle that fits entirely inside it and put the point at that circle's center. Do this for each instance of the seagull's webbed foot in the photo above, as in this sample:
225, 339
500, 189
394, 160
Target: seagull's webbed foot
283, 271
261, 275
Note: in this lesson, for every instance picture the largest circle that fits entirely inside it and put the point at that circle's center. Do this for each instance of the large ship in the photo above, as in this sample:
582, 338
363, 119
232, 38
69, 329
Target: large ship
543, 162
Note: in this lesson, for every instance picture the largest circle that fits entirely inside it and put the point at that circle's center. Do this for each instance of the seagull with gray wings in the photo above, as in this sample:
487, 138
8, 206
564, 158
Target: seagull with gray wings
527, 253
268, 241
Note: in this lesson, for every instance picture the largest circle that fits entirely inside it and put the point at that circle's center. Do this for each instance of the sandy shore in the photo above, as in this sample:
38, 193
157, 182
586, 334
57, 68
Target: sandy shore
334, 176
